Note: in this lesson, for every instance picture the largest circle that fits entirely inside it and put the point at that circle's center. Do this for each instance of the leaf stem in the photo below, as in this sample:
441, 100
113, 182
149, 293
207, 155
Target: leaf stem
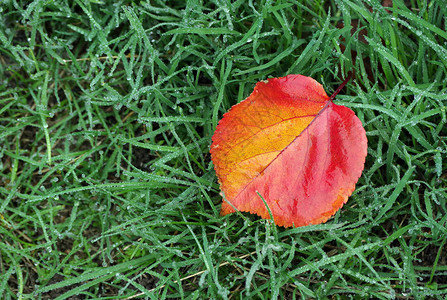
341, 86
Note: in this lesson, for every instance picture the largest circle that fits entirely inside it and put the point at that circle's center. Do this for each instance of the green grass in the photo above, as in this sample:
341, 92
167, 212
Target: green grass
107, 109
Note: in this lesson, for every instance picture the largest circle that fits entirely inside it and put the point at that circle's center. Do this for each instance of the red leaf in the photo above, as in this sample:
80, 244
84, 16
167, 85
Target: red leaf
291, 144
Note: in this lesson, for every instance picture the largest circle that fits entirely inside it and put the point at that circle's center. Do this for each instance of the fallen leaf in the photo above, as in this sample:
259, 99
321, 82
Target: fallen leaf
289, 143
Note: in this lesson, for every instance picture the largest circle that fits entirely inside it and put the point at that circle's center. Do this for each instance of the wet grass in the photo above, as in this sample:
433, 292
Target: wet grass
107, 109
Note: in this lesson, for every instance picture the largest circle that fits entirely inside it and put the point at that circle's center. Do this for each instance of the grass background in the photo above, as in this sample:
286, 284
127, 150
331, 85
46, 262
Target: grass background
107, 109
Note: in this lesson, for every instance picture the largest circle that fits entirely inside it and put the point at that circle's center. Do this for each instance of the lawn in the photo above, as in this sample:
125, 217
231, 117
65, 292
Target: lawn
107, 189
